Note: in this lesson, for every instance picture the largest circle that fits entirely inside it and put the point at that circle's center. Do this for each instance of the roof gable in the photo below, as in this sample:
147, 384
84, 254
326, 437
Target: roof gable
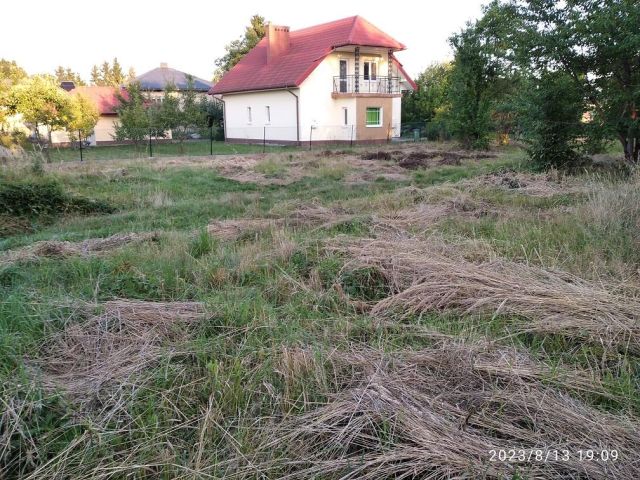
307, 48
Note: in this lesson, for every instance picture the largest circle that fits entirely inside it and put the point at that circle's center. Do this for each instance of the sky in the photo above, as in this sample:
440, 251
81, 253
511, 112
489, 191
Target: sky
189, 35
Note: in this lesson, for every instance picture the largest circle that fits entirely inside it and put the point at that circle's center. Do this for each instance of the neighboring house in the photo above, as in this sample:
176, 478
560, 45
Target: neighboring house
155, 81
335, 82
105, 99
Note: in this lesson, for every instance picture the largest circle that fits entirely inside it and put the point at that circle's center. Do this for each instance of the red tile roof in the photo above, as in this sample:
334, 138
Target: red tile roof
103, 97
308, 47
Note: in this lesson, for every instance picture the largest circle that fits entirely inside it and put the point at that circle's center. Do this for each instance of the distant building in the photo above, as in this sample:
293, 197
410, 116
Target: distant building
154, 82
335, 82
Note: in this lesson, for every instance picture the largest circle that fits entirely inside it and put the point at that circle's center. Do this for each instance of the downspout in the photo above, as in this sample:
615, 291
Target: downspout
297, 115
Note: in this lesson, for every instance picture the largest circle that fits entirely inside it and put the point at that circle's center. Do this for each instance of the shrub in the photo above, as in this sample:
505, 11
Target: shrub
32, 199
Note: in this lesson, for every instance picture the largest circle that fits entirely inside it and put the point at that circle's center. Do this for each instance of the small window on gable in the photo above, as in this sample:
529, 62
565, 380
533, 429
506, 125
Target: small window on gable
374, 117
267, 114
345, 113
249, 119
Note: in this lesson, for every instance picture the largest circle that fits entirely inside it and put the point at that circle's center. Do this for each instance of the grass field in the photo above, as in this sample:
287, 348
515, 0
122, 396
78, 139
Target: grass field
413, 312
159, 149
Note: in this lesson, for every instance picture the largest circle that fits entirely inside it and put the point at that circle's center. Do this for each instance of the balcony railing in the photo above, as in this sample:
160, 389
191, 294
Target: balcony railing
362, 84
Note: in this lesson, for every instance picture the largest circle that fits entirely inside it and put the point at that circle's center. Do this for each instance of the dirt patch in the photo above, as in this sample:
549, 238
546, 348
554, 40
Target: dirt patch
379, 155
55, 249
439, 412
110, 348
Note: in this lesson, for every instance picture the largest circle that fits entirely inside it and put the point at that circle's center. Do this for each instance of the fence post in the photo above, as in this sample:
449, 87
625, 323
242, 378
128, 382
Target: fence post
150, 145
211, 140
80, 140
351, 142
264, 139
310, 135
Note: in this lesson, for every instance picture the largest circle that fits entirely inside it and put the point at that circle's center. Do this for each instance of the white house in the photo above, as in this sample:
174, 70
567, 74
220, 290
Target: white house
335, 82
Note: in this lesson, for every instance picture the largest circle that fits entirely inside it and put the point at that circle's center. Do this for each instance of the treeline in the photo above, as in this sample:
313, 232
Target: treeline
563, 77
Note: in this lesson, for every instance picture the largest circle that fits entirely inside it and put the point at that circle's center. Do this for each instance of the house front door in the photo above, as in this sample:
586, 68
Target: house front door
343, 76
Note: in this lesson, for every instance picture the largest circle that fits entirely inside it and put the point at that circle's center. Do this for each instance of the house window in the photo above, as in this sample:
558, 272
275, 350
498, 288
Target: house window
345, 114
374, 117
267, 114
248, 114
370, 70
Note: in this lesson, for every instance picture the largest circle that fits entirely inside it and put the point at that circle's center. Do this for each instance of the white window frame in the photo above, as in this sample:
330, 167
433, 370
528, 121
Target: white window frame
379, 117
267, 114
372, 78
249, 116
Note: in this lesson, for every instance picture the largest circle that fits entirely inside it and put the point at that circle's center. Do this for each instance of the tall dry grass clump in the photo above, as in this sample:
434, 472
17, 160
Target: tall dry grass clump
423, 280
439, 413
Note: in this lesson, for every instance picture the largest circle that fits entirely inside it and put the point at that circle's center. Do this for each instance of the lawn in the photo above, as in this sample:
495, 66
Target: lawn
324, 314
159, 149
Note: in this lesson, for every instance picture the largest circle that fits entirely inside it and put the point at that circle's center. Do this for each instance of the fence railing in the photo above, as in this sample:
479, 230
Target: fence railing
366, 84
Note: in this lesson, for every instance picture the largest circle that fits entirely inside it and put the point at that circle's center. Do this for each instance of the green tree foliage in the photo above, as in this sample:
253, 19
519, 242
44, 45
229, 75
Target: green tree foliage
83, 118
240, 47
428, 104
66, 74
473, 73
551, 111
10, 75
134, 114
111, 74
41, 102
596, 43
181, 112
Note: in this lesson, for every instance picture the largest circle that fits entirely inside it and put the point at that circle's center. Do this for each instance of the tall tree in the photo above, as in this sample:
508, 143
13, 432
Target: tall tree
431, 96
66, 74
473, 73
42, 103
110, 74
10, 75
237, 49
83, 117
597, 44
135, 115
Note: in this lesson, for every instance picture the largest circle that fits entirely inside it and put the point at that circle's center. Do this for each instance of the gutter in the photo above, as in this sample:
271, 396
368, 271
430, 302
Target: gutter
297, 115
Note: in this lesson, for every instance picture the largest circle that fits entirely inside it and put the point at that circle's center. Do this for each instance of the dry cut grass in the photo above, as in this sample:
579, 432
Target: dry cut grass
111, 348
426, 278
438, 413
56, 249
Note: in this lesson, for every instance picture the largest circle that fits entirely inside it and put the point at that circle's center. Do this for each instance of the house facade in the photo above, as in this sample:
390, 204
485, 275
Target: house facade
154, 82
333, 83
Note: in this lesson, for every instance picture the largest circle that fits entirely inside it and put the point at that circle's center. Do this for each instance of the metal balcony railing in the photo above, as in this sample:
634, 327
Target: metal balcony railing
362, 84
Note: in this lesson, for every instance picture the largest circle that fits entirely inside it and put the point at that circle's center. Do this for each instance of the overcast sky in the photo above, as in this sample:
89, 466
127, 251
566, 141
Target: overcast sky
190, 35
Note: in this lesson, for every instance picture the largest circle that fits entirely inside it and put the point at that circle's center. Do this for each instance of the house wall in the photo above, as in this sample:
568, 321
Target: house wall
321, 113
282, 126
105, 129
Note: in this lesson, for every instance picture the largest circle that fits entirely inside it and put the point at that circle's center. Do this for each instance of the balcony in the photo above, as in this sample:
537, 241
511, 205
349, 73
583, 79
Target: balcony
350, 85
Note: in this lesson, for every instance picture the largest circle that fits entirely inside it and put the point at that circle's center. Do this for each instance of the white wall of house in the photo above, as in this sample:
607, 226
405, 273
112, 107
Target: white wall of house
322, 117
281, 126
319, 110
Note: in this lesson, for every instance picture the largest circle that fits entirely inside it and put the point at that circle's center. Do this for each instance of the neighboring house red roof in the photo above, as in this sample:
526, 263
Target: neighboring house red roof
104, 98
307, 48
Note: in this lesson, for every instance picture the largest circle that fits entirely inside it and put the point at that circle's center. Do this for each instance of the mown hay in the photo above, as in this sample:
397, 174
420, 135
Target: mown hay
110, 348
438, 413
56, 249
233, 229
425, 280
533, 184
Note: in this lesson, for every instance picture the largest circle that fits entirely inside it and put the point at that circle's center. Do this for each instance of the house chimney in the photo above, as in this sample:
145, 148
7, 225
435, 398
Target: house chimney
277, 40
164, 65
67, 85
